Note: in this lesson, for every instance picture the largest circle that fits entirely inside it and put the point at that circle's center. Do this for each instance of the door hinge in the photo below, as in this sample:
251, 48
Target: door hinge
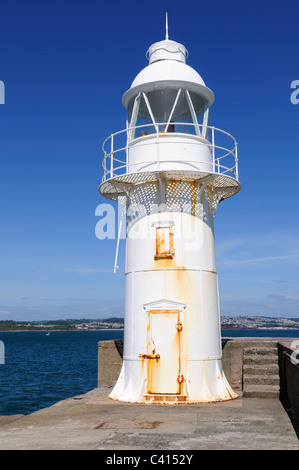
180, 378
179, 326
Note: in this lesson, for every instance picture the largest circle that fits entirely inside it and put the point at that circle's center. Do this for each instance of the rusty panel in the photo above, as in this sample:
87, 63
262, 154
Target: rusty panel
164, 242
163, 353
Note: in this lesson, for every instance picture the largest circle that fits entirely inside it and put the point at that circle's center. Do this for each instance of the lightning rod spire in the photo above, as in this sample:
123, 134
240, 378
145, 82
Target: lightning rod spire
166, 27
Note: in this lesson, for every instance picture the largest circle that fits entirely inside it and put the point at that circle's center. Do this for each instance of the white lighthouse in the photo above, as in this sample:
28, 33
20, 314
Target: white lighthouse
169, 169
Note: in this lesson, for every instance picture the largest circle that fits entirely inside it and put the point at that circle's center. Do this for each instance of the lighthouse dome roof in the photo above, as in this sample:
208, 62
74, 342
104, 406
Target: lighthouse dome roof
168, 69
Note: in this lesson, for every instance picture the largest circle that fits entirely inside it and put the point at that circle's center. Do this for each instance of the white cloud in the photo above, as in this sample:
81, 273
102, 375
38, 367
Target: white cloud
263, 259
230, 245
85, 270
94, 309
5, 312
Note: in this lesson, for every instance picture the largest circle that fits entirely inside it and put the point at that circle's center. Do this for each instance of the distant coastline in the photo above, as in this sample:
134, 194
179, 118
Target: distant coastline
63, 325
258, 323
117, 324
69, 329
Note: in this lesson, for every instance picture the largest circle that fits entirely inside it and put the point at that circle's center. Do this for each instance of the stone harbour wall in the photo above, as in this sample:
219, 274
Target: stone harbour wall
257, 367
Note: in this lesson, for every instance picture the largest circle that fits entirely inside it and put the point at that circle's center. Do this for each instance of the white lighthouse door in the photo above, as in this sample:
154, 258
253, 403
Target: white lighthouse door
163, 352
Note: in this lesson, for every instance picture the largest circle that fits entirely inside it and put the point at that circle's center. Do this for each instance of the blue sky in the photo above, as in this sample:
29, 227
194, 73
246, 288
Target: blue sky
65, 66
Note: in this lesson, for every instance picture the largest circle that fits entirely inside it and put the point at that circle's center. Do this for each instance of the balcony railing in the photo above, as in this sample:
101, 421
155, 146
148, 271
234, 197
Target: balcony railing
222, 145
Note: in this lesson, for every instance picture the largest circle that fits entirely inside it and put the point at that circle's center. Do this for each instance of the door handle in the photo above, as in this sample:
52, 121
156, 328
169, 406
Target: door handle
150, 356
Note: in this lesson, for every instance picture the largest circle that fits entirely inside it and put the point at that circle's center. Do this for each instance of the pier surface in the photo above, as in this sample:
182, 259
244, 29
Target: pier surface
95, 422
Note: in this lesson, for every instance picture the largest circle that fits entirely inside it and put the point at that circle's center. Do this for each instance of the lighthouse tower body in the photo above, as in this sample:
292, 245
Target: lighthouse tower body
169, 172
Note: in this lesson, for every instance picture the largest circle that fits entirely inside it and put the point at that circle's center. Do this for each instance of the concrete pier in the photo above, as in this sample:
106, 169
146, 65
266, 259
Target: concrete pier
95, 422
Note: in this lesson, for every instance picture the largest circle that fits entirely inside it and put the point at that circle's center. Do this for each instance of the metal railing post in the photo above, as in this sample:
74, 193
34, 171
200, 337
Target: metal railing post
127, 157
111, 157
236, 161
213, 148
157, 146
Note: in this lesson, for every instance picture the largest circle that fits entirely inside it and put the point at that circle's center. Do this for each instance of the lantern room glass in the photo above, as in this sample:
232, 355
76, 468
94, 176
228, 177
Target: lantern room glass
167, 110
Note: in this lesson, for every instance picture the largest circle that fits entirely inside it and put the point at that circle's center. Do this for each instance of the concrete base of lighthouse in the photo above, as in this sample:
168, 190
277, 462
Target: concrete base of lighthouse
199, 390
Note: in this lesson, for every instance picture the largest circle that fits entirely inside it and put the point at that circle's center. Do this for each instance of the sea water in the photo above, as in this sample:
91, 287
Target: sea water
40, 370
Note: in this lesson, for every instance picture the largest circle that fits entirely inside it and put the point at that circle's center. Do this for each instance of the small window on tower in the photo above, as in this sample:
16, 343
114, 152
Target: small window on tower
164, 242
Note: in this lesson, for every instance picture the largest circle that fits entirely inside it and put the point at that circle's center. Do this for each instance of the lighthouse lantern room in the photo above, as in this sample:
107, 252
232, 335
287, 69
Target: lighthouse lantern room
169, 169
